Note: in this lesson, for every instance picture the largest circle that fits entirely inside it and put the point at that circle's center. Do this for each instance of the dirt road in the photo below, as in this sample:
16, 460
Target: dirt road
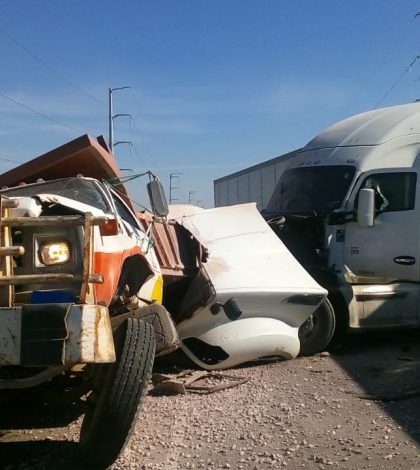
358, 408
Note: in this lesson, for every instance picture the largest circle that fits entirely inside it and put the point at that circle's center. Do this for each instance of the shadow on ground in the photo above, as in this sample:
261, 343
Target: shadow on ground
38, 455
33, 410
21, 413
387, 368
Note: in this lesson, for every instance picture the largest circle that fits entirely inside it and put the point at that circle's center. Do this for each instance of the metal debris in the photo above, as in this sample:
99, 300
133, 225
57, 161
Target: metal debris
195, 381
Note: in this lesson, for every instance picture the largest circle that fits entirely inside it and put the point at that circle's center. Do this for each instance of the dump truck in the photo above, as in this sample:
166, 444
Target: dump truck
347, 207
80, 293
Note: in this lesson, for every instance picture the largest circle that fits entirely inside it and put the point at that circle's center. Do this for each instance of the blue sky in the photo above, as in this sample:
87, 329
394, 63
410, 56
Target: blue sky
216, 85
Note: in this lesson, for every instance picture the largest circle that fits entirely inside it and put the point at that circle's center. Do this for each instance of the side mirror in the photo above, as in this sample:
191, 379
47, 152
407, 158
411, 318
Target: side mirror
366, 207
157, 198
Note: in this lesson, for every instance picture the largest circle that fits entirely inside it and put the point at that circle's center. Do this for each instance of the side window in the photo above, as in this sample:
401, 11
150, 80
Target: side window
124, 212
393, 191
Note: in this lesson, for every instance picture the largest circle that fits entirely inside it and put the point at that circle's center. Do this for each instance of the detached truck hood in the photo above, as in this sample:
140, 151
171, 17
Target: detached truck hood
262, 295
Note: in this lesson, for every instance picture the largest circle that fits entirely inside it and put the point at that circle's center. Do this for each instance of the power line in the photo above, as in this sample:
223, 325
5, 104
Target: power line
151, 157
397, 41
397, 81
4, 159
134, 148
58, 74
40, 114
139, 156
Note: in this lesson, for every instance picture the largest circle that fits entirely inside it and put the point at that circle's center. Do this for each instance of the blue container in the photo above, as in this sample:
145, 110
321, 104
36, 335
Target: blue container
52, 297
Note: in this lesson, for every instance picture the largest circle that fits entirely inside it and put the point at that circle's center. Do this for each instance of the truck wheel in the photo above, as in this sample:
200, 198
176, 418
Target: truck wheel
117, 393
317, 331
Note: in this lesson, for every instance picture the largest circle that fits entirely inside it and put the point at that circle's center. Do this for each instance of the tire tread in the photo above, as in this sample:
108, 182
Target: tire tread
107, 428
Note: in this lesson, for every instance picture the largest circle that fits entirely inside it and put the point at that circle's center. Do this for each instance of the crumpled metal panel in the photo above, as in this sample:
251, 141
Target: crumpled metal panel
178, 251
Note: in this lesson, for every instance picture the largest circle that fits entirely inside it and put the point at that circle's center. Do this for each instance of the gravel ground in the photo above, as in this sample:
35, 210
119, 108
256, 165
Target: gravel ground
355, 409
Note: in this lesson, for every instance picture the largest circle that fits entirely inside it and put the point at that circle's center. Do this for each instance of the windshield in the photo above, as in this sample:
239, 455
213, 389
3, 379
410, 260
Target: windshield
311, 189
78, 189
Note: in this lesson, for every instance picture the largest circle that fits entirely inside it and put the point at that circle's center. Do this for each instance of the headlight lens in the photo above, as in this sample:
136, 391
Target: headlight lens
52, 253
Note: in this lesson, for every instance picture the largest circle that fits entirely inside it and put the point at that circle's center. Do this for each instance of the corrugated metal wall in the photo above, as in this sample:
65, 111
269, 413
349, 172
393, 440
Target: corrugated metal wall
254, 184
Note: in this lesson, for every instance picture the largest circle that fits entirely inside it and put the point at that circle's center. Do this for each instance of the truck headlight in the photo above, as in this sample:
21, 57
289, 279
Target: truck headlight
52, 253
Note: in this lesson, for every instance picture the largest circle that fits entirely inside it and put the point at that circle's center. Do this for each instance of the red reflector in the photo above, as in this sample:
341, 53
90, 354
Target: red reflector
110, 228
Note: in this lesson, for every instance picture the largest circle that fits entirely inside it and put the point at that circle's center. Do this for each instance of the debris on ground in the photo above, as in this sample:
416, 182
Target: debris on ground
197, 381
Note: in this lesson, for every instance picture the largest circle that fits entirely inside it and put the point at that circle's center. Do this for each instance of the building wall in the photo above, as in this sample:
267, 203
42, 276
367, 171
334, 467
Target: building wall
254, 184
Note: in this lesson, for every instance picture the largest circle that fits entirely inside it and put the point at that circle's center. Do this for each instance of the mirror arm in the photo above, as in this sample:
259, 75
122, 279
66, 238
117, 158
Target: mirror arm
341, 217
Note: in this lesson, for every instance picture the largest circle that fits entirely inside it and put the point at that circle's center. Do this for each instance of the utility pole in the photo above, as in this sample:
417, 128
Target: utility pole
190, 193
111, 117
171, 188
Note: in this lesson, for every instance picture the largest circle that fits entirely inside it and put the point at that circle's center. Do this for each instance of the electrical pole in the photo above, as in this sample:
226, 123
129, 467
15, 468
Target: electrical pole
111, 117
171, 188
190, 193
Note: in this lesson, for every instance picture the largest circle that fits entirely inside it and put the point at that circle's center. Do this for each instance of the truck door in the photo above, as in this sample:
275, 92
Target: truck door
388, 253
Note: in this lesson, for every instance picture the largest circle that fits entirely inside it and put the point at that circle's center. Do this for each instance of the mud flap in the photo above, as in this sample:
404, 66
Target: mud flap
166, 335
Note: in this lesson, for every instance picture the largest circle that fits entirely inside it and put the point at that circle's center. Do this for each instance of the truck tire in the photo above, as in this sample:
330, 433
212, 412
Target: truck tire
117, 393
166, 335
318, 330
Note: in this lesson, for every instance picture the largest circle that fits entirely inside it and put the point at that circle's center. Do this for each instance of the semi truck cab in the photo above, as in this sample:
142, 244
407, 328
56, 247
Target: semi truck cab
348, 207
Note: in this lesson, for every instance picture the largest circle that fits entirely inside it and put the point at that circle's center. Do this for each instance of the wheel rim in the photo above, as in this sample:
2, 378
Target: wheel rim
308, 328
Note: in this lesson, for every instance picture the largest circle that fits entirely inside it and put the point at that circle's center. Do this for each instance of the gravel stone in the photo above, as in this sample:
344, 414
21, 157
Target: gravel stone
311, 412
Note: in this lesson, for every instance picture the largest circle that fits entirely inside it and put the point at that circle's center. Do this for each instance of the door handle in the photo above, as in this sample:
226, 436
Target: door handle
405, 260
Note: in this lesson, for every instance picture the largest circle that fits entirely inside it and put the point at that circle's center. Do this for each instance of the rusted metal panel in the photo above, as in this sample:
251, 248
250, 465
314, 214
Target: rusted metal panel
86, 293
178, 252
10, 327
83, 155
168, 258
54, 277
31, 278
89, 336
66, 220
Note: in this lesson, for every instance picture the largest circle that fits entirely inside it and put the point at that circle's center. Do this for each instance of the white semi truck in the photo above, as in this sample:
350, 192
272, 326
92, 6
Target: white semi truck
348, 207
